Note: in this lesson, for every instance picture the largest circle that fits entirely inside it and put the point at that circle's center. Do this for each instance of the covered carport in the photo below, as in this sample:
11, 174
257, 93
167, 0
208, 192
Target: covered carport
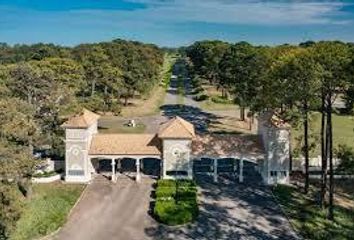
130, 154
235, 156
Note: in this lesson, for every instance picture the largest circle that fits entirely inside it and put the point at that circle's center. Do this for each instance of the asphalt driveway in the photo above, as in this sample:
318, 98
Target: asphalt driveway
228, 210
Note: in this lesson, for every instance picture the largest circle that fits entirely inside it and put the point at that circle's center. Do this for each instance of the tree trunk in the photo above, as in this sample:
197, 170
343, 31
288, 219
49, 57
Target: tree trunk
331, 179
306, 148
29, 97
93, 87
323, 155
105, 99
242, 113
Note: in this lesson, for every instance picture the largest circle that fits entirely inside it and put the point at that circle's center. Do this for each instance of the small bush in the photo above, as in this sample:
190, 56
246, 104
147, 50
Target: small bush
221, 100
191, 206
195, 81
186, 183
197, 90
115, 107
165, 192
166, 183
201, 97
184, 193
172, 213
176, 201
45, 174
346, 156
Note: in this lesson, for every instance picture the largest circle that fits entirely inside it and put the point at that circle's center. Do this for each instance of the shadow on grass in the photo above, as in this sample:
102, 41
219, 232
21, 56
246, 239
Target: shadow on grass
309, 219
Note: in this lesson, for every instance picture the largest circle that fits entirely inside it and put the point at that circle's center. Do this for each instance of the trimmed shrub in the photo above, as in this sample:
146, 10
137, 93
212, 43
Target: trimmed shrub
176, 201
45, 174
191, 206
186, 183
166, 183
165, 192
184, 193
172, 213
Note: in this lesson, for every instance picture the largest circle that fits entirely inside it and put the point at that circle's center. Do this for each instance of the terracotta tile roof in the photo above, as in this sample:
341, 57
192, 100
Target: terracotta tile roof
227, 145
125, 144
176, 128
83, 120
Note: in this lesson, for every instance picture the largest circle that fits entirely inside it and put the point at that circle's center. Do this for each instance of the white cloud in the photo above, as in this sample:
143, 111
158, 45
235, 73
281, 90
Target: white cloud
244, 12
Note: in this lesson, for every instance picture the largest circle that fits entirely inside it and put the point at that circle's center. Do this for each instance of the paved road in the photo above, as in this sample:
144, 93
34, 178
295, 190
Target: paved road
111, 211
228, 210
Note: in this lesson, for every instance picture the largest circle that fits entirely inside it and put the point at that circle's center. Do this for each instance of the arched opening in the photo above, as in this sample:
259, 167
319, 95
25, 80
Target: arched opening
126, 165
203, 165
151, 167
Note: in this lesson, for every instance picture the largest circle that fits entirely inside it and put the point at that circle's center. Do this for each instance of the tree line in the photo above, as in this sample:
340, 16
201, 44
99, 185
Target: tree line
42, 84
291, 81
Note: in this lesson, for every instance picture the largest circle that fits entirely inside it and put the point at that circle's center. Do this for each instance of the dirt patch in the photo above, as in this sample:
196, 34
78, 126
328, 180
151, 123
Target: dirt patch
145, 107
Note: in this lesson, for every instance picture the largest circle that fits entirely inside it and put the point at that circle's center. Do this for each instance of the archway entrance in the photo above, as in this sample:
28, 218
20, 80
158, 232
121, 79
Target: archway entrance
151, 167
227, 167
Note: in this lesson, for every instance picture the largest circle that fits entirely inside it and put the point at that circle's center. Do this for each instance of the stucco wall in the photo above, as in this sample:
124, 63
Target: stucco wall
77, 166
176, 156
276, 141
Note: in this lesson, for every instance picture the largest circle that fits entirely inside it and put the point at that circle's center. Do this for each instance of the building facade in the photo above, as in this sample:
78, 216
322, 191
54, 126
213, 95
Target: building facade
175, 147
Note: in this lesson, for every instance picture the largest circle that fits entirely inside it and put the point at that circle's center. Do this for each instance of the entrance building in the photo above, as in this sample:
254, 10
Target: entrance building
171, 152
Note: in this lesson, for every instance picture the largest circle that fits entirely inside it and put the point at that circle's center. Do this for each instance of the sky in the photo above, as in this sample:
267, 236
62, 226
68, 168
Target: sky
175, 23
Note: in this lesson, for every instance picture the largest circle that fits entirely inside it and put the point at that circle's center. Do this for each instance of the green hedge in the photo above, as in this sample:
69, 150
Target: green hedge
45, 174
171, 212
176, 201
166, 183
165, 192
186, 193
186, 183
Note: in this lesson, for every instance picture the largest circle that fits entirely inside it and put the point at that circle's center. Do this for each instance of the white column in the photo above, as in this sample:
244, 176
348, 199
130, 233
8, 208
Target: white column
234, 167
215, 170
119, 164
163, 168
190, 167
138, 176
113, 170
240, 176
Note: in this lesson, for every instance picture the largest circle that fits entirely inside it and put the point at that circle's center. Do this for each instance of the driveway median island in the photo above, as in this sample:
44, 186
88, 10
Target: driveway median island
176, 202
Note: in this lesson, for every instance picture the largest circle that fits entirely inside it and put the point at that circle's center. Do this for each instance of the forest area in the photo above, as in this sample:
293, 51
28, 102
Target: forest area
295, 83
42, 85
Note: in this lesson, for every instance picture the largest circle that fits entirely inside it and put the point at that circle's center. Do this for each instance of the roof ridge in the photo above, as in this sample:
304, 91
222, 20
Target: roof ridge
184, 123
183, 127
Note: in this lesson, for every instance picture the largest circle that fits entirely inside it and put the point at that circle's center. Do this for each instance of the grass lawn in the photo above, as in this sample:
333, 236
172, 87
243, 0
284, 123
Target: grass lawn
309, 220
145, 107
212, 106
215, 102
112, 124
343, 131
47, 210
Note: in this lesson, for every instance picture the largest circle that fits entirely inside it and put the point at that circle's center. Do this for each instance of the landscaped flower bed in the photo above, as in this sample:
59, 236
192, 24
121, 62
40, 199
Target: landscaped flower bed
176, 202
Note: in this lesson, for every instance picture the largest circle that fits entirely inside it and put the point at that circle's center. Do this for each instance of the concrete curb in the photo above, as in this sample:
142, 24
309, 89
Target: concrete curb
52, 234
298, 235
